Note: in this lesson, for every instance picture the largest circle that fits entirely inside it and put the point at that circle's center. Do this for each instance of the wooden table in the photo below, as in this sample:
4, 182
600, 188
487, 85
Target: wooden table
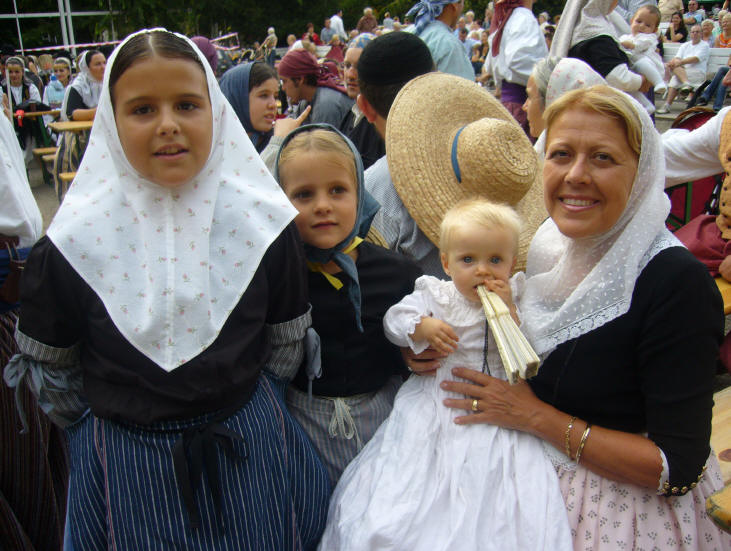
719, 508
725, 288
36, 114
71, 126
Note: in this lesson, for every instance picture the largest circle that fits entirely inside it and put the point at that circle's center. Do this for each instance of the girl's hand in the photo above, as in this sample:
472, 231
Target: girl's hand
498, 402
438, 333
282, 127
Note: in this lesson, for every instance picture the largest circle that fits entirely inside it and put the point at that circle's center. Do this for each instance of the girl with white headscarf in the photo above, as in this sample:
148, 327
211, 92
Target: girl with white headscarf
161, 317
628, 324
82, 95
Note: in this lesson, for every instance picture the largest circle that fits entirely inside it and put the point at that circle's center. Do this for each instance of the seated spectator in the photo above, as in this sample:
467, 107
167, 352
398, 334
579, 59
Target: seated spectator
307, 83
723, 40
311, 35
688, 67
368, 23
676, 31
695, 15
718, 89
707, 32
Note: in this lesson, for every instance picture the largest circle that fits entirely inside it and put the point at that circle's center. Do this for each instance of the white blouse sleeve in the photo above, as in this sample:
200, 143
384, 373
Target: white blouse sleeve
402, 318
521, 46
693, 155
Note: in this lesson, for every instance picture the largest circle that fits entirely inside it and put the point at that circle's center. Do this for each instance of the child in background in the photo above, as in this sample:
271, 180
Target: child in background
160, 315
351, 285
424, 482
641, 46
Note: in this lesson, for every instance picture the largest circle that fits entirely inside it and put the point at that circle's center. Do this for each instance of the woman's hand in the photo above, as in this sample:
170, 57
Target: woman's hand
282, 127
425, 363
498, 402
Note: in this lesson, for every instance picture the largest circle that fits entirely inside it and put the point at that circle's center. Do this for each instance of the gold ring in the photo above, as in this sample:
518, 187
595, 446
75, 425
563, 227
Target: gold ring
474, 405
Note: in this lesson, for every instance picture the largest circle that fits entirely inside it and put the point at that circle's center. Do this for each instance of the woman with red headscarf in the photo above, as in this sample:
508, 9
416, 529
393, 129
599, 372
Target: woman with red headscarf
516, 44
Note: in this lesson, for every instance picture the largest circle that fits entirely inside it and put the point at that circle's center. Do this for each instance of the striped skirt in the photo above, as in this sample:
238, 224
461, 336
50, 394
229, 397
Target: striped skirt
33, 465
124, 493
340, 427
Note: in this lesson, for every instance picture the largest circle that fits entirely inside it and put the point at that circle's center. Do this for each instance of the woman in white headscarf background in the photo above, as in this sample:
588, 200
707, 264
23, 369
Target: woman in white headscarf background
549, 80
628, 324
82, 95
589, 30
161, 316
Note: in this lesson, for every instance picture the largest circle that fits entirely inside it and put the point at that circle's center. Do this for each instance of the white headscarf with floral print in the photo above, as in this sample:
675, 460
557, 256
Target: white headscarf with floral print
170, 264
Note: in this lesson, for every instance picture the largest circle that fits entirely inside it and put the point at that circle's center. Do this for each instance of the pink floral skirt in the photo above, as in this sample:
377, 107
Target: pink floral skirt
605, 515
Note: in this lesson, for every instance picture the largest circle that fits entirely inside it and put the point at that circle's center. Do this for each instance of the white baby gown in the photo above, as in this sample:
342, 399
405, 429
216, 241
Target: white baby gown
424, 483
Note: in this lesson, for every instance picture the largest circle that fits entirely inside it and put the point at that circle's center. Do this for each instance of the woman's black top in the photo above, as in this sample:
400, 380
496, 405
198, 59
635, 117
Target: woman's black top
74, 102
682, 31
601, 53
652, 369
59, 309
355, 362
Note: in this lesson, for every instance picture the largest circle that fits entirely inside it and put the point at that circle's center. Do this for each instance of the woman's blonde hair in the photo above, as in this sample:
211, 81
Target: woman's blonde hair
322, 141
481, 212
604, 100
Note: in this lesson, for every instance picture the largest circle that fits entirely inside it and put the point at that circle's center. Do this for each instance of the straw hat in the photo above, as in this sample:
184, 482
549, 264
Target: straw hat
494, 157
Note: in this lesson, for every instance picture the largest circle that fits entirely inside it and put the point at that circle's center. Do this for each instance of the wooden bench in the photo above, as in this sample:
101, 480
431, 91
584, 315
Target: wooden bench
719, 508
41, 153
717, 59
67, 177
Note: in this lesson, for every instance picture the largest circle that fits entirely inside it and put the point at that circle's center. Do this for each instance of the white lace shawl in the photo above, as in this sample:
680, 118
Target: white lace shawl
574, 286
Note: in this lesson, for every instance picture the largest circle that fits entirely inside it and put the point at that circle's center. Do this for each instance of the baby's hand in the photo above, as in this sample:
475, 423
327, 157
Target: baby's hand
628, 44
438, 333
502, 289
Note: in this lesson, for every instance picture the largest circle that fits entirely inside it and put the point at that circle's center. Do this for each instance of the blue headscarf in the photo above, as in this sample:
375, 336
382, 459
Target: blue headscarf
366, 210
235, 86
426, 11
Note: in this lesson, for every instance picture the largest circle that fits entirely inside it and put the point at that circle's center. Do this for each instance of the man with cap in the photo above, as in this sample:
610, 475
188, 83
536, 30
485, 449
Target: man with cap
307, 83
386, 64
361, 132
433, 23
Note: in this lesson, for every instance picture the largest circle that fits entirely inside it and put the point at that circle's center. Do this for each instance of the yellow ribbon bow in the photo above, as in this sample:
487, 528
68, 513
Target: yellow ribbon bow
319, 266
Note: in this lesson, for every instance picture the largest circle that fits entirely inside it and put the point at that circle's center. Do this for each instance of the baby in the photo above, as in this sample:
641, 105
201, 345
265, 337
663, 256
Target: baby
641, 45
423, 481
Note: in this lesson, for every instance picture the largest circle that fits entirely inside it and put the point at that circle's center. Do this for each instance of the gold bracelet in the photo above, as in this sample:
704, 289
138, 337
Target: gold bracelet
584, 437
568, 435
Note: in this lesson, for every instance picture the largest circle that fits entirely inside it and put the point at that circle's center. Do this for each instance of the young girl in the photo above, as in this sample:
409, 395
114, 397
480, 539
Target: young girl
351, 284
252, 90
20, 90
170, 280
640, 46
82, 96
422, 482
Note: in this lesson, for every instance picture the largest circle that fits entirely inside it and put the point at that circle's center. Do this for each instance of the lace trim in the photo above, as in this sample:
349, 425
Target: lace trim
544, 345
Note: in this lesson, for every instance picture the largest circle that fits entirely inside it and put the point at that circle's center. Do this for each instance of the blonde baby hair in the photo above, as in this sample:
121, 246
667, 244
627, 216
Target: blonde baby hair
322, 141
482, 212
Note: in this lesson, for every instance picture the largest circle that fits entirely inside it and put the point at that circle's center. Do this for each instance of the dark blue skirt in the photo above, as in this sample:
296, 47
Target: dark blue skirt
124, 494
